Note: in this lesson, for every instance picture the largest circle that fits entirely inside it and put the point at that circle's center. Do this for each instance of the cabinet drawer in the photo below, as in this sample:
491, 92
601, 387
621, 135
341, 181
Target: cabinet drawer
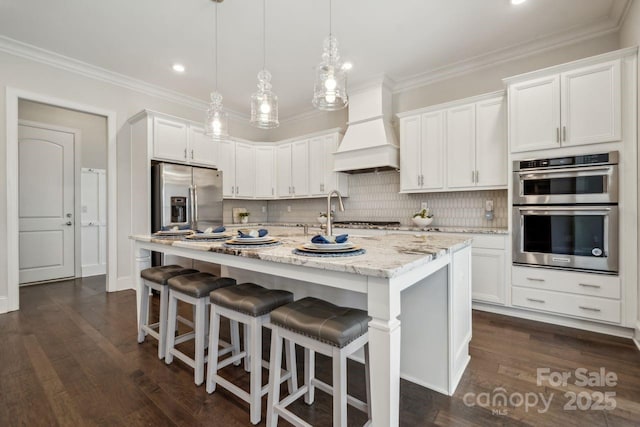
605, 310
489, 241
567, 281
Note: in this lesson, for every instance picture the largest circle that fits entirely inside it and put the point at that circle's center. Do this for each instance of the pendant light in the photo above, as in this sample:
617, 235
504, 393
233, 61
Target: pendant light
264, 103
330, 88
216, 122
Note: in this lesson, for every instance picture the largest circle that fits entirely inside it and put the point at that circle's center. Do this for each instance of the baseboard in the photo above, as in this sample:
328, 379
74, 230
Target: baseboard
585, 325
4, 305
94, 270
125, 283
636, 339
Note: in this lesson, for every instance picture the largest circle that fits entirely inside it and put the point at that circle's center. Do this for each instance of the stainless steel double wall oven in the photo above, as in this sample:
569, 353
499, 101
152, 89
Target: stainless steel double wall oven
565, 212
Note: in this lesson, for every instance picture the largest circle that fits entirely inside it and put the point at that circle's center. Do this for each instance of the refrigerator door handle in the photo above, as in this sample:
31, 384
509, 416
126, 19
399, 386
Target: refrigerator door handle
195, 205
191, 207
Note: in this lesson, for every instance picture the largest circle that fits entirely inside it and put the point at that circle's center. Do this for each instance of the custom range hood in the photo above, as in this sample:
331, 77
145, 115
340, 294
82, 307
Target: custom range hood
369, 144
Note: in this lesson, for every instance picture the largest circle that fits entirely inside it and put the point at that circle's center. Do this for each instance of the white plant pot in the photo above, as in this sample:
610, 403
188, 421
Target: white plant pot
322, 219
421, 222
244, 219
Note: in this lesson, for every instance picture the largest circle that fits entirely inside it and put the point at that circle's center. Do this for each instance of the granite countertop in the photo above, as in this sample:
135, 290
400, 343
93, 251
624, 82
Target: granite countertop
443, 229
386, 256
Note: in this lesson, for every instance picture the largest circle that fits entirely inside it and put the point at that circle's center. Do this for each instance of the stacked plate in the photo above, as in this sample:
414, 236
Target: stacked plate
209, 236
251, 241
328, 247
173, 233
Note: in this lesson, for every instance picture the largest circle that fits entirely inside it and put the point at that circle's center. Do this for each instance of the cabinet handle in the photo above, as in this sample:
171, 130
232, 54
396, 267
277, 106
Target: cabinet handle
422, 180
237, 190
272, 192
535, 279
232, 189
477, 177
536, 300
588, 285
185, 153
582, 307
191, 154
557, 134
564, 133
419, 184
293, 190
473, 174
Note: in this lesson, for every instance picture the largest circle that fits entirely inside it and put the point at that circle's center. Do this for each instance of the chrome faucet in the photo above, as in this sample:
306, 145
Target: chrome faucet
340, 205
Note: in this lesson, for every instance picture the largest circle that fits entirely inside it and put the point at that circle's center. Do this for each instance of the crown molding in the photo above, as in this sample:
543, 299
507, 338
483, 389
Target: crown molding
53, 59
609, 25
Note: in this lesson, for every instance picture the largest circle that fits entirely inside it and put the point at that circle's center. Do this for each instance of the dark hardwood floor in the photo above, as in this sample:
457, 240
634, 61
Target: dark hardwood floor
69, 357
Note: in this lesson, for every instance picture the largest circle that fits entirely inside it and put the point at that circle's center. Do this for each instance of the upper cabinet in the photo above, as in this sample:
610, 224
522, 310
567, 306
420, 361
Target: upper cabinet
573, 107
227, 164
265, 171
456, 146
178, 140
292, 162
322, 178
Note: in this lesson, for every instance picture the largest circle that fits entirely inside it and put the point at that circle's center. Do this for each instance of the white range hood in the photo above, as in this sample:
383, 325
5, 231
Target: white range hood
369, 144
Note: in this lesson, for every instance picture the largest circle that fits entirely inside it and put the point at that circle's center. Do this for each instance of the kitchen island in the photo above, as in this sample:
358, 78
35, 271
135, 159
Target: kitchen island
421, 282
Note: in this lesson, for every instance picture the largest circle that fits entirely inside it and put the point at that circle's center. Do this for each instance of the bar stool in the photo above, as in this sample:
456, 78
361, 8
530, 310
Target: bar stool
156, 278
322, 327
249, 304
194, 289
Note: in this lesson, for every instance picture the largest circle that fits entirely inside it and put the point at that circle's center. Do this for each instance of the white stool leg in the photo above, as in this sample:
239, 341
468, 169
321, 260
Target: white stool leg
170, 324
144, 311
199, 324
367, 378
255, 387
247, 359
339, 388
235, 339
274, 377
214, 338
290, 357
309, 375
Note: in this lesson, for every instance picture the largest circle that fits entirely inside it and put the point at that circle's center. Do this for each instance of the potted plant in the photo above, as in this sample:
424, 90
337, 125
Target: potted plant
244, 217
422, 218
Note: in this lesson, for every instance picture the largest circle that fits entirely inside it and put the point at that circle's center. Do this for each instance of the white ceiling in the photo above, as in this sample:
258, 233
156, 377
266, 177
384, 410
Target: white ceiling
408, 40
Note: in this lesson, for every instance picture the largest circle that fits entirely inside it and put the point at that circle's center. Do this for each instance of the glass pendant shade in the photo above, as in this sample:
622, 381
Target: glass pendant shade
330, 88
264, 104
217, 118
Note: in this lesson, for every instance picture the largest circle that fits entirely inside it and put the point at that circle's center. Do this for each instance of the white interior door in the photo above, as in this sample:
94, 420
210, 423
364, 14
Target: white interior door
46, 204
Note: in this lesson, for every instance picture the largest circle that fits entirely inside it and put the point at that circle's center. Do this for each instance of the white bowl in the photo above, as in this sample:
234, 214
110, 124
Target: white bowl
421, 222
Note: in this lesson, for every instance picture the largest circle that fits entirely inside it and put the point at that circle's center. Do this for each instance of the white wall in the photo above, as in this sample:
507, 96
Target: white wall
93, 128
630, 36
27, 75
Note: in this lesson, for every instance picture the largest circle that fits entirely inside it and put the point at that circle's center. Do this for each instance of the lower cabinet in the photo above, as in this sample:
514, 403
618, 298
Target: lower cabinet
488, 270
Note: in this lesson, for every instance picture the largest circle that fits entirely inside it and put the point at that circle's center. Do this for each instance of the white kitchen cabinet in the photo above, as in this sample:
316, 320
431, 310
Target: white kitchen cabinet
422, 152
461, 146
322, 178
491, 143
169, 139
292, 162
227, 164
489, 270
245, 170
575, 107
202, 149
265, 172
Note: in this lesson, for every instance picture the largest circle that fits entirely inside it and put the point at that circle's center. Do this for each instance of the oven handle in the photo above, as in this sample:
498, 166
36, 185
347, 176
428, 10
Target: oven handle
569, 171
541, 210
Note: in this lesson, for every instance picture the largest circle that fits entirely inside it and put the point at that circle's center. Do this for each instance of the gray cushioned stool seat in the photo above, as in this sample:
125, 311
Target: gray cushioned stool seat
163, 273
321, 320
199, 284
251, 299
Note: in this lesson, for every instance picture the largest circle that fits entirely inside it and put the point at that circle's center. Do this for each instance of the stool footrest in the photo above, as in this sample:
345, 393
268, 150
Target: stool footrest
150, 331
290, 416
186, 359
229, 386
184, 337
229, 360
356, 403
185, 322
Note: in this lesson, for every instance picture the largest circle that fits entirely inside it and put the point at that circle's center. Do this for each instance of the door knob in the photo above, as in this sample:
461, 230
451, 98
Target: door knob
68, 223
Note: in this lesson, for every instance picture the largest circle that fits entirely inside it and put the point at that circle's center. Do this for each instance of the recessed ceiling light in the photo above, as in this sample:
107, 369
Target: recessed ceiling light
347, 66
178, 68
517, 1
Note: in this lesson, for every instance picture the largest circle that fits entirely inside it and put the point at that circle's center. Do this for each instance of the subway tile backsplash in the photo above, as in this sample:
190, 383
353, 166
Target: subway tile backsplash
375, 197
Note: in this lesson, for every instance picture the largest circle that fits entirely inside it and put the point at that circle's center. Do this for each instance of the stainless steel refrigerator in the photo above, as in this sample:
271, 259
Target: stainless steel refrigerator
184, 196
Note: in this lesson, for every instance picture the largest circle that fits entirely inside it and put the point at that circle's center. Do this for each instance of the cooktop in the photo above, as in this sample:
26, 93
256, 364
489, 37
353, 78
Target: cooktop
380, 223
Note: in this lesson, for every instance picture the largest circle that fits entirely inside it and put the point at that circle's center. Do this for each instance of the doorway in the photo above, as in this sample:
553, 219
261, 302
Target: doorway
47, 164
13, 96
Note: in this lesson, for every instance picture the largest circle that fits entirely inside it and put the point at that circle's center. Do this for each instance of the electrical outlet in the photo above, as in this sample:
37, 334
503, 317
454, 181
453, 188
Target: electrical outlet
264, 209
423, 205
288, 208
488, 205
